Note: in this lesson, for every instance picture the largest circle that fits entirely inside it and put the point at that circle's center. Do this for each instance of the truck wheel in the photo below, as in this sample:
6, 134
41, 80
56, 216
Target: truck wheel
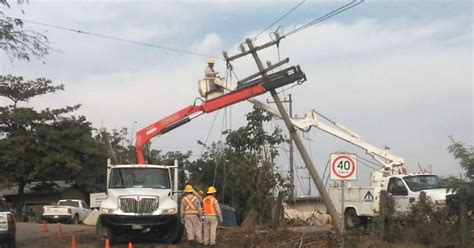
11, 243
175, 233
112, 236
75, 220
351, 220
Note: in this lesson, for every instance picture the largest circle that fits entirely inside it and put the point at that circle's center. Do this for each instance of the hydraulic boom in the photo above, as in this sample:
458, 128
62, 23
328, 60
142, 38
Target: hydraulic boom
242, 93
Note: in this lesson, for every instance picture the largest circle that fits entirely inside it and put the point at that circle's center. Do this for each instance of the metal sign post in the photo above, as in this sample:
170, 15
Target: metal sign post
343, 167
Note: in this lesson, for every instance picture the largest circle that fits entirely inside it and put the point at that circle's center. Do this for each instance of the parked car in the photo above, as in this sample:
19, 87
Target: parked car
7, 227
66, 211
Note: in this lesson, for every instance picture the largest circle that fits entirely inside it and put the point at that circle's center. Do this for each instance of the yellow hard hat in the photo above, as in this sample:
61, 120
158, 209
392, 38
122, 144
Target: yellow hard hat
211, 190
188, 189
210, 61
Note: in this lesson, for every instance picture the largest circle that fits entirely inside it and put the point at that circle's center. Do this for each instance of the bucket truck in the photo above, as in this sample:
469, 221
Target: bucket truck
143, 198
362, 203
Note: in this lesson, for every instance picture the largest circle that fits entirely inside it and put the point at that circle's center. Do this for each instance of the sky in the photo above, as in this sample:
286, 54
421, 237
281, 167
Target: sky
397, 73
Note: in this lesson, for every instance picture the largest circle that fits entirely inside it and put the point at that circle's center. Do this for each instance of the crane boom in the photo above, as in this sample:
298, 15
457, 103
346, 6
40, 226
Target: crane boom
241, 93
388, 161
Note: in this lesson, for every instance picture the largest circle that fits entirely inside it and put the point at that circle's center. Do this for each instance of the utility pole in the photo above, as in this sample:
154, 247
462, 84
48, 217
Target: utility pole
299, 144
309, 184
292, 169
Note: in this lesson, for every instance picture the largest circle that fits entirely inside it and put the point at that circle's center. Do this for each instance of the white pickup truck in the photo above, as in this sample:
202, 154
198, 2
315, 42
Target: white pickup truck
70, 211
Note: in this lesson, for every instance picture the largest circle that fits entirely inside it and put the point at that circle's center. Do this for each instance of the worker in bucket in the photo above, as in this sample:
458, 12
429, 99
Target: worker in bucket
212, 216
191, 214
209, 72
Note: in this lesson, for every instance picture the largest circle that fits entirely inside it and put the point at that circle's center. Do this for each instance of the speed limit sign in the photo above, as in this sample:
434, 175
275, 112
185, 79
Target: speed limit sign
343, 167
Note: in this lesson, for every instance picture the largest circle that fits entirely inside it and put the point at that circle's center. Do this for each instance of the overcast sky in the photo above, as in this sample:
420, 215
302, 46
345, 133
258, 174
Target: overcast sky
399, 74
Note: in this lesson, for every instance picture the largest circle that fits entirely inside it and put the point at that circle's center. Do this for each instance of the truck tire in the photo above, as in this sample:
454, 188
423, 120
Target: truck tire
11, 243
351, 220
75, 219
175, 233
112, 236
105, 233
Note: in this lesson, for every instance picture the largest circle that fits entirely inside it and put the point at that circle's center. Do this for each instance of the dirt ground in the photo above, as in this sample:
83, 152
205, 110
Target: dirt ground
31, 235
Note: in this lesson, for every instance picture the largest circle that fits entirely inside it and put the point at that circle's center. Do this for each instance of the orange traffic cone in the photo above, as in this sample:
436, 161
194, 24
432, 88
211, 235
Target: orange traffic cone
73, 241
60, 232
45, 226
107, 243
130, 245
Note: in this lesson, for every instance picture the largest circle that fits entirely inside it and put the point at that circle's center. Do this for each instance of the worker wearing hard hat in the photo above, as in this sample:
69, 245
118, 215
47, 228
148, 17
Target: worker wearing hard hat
191, 212
209, 72
212, 215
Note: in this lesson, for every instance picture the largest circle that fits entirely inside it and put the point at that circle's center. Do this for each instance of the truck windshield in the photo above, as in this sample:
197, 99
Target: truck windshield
422, 182
139, 178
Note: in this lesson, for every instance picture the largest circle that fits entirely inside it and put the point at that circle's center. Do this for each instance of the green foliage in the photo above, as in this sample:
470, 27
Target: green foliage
243, 168
465, 188
18, 42
44, 145
423, 224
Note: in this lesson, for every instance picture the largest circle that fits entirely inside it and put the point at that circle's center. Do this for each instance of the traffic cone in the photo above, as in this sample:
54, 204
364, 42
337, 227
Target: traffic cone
60, 232
45, 226
107, 243
73, 241
130, 245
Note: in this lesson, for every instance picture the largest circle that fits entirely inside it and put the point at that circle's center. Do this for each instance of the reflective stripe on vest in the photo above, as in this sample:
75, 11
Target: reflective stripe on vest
190, 205
209, 205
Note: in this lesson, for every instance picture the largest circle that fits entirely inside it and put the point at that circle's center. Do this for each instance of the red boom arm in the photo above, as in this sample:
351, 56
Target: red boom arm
185, 115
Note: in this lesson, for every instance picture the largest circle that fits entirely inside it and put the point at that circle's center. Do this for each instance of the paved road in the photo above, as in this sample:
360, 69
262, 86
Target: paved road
31, 235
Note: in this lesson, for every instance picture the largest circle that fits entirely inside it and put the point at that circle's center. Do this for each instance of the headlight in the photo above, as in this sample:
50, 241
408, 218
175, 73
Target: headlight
169, 211
106, 210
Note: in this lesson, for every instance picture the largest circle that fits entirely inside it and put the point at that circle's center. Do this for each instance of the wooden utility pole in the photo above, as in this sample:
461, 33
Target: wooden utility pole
286, 118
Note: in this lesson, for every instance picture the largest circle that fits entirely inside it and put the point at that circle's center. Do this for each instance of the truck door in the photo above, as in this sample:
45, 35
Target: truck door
399, 193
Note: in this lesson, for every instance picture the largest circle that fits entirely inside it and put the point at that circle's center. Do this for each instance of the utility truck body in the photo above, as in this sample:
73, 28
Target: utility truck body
361, 203
141, 199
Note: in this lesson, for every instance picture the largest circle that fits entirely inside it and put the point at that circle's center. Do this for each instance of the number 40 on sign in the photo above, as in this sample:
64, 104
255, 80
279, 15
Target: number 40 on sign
343, 167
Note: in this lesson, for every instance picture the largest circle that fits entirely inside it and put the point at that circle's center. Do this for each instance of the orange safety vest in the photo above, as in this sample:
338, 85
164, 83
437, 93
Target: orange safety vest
190, 205
209, 205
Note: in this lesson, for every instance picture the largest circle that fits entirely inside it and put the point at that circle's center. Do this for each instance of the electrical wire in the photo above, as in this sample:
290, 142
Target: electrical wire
209, 132
121, 39
337, 11
279, 19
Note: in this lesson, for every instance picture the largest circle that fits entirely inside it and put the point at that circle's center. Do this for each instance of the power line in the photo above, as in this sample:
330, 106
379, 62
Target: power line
279, 19
121, 39
337, 11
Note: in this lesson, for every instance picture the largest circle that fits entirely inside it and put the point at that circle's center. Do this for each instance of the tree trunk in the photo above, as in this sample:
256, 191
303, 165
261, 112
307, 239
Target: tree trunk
463, 220
278, 211
21, 199
250, 219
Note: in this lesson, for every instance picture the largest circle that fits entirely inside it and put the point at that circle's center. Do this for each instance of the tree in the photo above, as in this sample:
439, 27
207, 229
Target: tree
20, 43
463, 187
243, 168
41, 145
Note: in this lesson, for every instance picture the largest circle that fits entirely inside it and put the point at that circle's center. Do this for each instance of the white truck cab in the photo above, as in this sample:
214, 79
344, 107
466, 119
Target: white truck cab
141, 199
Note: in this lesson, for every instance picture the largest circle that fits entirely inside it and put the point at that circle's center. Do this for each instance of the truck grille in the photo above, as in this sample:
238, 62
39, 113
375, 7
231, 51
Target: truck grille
139, 205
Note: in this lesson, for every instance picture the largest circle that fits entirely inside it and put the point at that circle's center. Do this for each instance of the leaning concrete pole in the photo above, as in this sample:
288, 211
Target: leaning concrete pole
299, 144
309, 163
